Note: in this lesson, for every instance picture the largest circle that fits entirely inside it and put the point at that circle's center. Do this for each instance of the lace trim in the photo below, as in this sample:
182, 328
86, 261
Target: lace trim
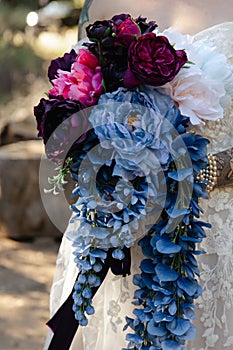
114, 308
216, 302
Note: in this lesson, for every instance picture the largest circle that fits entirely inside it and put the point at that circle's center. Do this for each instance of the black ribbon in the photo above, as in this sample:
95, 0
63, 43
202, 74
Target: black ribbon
63, 323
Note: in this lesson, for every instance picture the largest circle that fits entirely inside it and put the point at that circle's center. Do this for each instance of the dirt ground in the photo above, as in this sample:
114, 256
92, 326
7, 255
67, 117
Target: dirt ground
26, 273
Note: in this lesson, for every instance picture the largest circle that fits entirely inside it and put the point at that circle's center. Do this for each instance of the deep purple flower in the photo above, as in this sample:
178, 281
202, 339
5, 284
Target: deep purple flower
118, 19
102, 40
99, 29
145, 27
153, 60
50, 113
63, 63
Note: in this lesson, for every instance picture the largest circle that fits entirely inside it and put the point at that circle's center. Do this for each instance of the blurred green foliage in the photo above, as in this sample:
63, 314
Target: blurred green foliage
16, 63
17, 58
12, 18
26, 3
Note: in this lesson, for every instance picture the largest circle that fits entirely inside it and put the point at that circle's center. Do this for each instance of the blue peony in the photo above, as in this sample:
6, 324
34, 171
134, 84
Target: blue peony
136, 125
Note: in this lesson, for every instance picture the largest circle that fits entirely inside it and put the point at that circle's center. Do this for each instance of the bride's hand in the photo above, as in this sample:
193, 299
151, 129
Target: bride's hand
224, 168
219, 172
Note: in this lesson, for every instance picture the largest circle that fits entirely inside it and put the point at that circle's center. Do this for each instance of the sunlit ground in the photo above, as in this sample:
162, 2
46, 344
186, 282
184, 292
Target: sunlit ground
26, 273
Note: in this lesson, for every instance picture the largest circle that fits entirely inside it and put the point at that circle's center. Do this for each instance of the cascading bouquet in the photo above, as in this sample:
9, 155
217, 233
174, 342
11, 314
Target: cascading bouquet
119, 119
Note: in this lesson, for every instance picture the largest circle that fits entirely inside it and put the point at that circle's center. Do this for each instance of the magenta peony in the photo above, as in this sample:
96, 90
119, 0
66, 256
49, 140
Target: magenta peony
153, 60
127, 32
64, 63
83, 82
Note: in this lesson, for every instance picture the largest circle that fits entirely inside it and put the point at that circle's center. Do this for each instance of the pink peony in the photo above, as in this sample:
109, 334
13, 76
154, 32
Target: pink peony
83, 82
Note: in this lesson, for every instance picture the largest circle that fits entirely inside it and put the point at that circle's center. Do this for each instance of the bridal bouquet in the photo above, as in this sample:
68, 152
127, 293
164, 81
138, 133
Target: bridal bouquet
121, 119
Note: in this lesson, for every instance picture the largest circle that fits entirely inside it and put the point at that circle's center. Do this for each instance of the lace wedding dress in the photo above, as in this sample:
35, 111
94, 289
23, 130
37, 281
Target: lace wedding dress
113, 300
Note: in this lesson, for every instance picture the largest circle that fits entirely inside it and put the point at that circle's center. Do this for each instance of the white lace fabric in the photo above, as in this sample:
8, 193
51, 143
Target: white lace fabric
113, 300
215, 314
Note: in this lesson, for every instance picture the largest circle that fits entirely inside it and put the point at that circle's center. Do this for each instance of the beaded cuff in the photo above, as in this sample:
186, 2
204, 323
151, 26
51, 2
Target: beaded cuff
209, 174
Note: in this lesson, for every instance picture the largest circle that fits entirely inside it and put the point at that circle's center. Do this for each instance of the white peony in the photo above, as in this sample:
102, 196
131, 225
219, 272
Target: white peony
197, 97
215, 66
204, 88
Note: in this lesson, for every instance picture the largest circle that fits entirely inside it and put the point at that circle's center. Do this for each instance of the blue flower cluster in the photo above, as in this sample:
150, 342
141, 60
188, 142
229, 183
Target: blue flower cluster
119, 185
111, 217
133, 125
140, 181
167, 285
89, 265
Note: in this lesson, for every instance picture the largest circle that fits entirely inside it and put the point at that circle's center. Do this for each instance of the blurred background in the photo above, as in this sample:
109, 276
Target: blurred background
31, 34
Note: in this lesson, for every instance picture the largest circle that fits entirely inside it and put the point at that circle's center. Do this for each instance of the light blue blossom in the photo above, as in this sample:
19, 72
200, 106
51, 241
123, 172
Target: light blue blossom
132, 124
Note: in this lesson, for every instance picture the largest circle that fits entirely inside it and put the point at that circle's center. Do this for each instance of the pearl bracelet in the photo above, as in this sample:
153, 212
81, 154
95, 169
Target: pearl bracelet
209, 174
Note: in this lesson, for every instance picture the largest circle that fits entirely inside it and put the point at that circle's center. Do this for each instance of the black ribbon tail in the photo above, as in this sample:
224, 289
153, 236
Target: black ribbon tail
64, 324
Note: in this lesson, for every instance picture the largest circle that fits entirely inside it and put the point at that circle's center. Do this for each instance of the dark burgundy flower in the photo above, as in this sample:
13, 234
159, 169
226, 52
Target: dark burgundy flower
112, 57
113, 75
102, 29
63, 63
118, 19
127, 32
153, 60
50, 113
102, 40
145, 27
72, 118
99, 30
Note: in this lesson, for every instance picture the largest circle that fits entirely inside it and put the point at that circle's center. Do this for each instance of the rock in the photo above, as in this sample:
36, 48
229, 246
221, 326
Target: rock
24, 209
21, 130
